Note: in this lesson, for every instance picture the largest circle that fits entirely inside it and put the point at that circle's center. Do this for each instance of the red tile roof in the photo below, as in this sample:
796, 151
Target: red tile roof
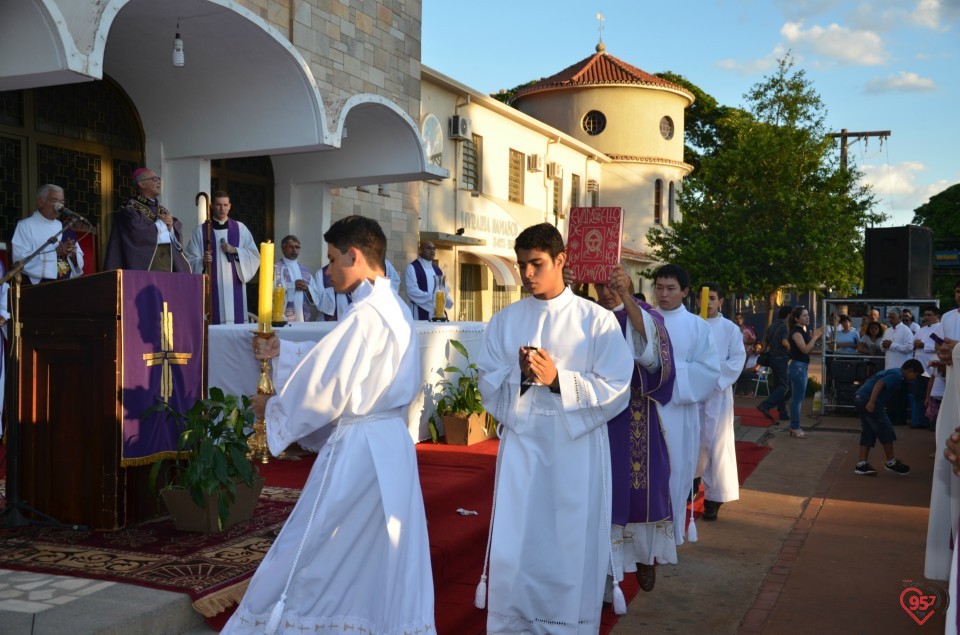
598, 69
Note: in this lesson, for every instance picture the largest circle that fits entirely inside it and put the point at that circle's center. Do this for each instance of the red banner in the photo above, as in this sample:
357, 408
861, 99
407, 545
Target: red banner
593, 242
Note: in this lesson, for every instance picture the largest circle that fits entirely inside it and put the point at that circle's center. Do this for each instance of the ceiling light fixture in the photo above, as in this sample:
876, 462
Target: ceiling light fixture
178, 48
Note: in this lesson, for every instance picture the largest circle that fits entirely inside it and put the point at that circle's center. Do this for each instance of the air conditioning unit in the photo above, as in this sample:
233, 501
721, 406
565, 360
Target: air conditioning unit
535, 162
554, 171
459, 128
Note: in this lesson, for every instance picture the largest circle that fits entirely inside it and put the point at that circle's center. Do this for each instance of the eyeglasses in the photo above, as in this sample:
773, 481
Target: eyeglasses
155, 179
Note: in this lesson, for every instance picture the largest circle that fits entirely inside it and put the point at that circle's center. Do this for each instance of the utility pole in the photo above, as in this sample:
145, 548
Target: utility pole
843, 135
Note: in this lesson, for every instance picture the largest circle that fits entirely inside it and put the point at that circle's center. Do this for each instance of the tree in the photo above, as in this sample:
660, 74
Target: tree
770, 206
941, 213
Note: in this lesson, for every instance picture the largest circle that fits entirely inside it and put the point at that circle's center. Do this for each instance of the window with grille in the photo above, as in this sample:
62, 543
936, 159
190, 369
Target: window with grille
501, 297
515, 185
574, 190
658, 202
470, 293
594, 122
671, 203
593, 193
472, 164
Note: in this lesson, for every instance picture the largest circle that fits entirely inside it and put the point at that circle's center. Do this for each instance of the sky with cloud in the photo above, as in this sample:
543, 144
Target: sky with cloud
877, 64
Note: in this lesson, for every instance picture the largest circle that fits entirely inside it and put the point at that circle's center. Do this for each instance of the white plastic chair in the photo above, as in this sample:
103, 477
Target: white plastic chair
763, 374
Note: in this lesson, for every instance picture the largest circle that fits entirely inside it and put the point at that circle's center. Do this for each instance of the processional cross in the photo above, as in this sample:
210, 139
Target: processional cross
166, 356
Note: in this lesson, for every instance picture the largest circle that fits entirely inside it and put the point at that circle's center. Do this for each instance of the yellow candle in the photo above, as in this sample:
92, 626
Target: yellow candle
265, 309
279, 303
440, 304
704, 301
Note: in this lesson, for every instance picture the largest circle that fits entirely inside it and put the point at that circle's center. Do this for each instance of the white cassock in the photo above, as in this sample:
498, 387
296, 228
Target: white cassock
698, 371
901, 345
718, 456
290, 271
945, 489
392, 275
365, 563
247, 263
30, 234
550, 547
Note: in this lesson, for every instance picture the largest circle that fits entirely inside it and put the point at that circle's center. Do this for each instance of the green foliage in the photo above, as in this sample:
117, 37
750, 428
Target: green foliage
941, 213
771, 206
459, 391
211, 449
506, 96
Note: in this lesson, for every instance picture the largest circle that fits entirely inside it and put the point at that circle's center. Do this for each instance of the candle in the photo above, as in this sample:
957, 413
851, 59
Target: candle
704, 301
439, 305
265, 309
279, 303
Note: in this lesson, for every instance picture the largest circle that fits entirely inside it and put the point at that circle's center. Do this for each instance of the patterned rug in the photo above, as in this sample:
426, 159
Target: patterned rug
214, 569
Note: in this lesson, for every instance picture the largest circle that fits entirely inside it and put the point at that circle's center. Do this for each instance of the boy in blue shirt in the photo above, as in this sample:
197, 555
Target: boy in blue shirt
875, 425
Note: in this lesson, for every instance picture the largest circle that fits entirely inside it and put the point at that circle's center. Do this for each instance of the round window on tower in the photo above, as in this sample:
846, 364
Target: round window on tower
666, 128
594, 122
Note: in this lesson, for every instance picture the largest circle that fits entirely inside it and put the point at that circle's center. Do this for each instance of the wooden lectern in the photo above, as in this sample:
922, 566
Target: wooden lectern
72, 400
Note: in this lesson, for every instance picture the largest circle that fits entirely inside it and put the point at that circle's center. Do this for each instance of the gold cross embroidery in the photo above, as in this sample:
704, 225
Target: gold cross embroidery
166, 356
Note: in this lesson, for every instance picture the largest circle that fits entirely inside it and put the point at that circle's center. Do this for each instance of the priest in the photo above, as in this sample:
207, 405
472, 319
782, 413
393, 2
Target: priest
301, 293
223, 248
353, 556
717, 464
146, 236
642, 515
553, 371
698, 371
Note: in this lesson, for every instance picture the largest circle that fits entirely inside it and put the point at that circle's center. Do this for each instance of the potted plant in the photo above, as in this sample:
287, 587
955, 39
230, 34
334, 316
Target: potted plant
459, 407
211, 485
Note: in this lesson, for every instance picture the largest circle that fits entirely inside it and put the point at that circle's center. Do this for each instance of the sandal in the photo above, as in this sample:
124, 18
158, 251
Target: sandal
798, 433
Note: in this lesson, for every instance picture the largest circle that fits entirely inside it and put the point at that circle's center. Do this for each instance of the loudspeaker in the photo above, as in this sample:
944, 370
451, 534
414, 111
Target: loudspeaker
898, 262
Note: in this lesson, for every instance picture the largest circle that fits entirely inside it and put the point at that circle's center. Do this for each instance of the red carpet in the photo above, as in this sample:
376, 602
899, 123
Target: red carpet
749, 456
751, 417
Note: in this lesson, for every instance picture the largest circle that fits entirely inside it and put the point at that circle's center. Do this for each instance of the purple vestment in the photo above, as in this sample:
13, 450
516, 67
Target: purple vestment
640, 464
133, 239
233, 239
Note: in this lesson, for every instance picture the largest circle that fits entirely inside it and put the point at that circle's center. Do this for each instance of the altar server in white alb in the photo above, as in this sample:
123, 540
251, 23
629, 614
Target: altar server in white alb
353, 556
698, 371
717, 465
553, 370
223, 248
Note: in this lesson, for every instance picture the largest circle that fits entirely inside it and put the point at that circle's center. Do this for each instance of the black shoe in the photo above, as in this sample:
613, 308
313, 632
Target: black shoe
646, 576
696, 490
765, 413
710, 510
864, 469
898, 467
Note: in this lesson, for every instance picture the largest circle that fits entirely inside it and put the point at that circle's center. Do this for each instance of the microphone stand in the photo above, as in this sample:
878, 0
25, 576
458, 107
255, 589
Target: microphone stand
16, 512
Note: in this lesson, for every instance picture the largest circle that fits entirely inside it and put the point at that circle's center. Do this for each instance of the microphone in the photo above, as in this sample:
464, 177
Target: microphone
68, 213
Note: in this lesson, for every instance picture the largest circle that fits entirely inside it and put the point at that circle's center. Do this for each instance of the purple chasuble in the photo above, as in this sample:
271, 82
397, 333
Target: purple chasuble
640, 464
233, 238
422, 285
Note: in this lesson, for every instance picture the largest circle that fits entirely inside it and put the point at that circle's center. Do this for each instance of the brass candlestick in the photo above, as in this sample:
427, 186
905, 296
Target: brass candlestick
258, 442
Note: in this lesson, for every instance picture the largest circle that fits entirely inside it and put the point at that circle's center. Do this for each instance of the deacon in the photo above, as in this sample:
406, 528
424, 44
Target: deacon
553, 371
353, 556
698, 371
145, 234
421, 277
64, 258
302, 294
642, 514
223, 248
717, 465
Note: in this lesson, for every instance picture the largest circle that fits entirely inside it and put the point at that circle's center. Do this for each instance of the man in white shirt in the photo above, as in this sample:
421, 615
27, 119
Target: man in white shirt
898, 343
223, 248
717, 463
420, 278
302, 293
63, 258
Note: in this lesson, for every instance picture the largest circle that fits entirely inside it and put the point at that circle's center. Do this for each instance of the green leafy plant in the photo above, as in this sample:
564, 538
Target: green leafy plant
211, 449
459, 391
